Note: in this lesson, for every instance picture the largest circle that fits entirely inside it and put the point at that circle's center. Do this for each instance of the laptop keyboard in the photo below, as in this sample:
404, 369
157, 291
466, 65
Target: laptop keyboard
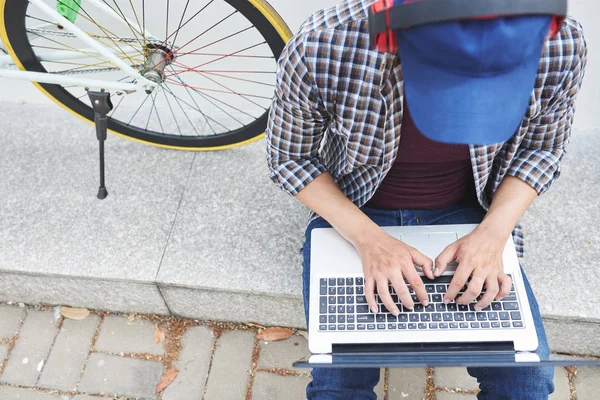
343, 307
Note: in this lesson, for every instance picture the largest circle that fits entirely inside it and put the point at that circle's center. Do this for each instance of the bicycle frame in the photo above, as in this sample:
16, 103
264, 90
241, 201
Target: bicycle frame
95, 47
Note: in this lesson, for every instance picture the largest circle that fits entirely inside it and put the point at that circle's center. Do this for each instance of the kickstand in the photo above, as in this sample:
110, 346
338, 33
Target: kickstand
102, 106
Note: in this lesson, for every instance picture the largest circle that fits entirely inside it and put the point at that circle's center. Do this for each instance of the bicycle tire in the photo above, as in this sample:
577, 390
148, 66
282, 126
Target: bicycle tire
260, 14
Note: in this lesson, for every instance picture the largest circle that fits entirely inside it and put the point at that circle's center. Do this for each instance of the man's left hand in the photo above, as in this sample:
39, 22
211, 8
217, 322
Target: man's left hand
479, 257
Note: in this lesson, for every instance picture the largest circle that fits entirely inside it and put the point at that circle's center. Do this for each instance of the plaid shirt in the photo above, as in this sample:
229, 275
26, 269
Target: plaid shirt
338, 108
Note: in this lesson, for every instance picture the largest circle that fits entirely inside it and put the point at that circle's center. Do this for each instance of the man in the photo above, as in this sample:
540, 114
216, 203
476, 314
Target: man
349, 136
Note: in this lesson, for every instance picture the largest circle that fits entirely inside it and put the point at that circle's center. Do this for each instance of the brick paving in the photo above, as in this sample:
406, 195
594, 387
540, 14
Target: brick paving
44, 356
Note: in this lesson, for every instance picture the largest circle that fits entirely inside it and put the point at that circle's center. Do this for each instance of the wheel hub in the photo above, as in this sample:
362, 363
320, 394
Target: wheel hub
157, 58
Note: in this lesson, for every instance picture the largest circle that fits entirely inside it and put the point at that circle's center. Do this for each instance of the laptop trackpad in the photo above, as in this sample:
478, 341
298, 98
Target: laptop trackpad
431, 244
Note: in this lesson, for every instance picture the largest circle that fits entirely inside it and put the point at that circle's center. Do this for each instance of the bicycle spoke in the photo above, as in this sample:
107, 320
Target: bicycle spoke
172, 113
218, 41
181, 26
125, 20
138, 110
209, 29
117, 107
42, 20
180, 21
182, 110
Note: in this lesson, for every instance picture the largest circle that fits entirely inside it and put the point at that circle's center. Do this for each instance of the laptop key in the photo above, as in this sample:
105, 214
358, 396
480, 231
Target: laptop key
459, 316
370, 326
331, 281
322, 319
341, 290
430, 308
391, 326
331, 327
433, 325
332, 319
440, 288
350, 318
322, 327
437, 317
322, 304
474, 324
414, 317
453, 325
332, 291
464, 324
518, 324
331, 310
463, 307
487, 308
511, 297
447, 316
359, 289
362, 309
515, 315
361, 327
436, 298
504, 316
350, 290
402, 326
440, 307
341, 327
361, 300
492, 316
470, 316
412, 326
349, 281
332, 299
422, 326
496, 306
341, 300
481, 316
485, 324
511, 305
402, 317
391, 318
350, 309
365, 318
425, 317
419, 307
359, 281
430, 288
341, 309
452, 307
349, 299
350, 327
341, 319
505, 324
496, 324
380, 326
340, 281
380, 317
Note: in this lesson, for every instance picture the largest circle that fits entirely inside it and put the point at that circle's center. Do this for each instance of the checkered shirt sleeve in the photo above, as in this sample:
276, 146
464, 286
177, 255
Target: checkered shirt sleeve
297, 122
537, 161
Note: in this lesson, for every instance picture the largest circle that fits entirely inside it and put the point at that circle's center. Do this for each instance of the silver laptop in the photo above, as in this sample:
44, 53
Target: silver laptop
341, 323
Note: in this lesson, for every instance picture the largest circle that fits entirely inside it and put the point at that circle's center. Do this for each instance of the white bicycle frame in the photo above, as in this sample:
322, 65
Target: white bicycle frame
95, 48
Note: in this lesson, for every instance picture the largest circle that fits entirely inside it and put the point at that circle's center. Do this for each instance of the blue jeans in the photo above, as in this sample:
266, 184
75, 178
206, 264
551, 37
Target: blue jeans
521, 383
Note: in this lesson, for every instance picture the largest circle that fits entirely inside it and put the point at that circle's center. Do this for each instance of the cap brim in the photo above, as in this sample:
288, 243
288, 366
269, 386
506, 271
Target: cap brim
463, 109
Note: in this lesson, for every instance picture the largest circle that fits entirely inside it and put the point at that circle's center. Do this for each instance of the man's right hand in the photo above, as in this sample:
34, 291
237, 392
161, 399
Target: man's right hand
386, 259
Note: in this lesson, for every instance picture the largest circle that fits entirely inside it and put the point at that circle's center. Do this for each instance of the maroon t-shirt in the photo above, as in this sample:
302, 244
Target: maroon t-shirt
426, 174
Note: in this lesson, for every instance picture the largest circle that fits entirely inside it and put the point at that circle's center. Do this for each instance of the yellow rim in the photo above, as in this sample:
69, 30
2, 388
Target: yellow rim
265, 9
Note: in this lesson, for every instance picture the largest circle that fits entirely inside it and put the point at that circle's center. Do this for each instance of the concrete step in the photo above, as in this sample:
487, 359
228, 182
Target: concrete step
208, 236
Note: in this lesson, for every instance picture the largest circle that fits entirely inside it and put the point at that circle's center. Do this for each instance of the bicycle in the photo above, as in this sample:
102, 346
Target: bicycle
189, 75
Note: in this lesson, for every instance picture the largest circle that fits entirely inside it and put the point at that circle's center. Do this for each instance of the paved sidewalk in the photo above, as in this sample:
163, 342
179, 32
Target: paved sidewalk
44, 356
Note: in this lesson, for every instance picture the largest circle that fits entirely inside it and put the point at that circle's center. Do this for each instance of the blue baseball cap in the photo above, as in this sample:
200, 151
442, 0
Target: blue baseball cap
470, 81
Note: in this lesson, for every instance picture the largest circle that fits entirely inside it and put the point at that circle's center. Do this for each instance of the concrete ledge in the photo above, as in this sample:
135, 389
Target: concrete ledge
208, 236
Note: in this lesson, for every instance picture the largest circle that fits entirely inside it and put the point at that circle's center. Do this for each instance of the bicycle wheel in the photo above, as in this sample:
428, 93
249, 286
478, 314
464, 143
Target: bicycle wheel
216, 64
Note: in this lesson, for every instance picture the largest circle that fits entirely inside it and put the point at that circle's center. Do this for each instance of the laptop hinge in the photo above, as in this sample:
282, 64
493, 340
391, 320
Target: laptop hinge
489, 351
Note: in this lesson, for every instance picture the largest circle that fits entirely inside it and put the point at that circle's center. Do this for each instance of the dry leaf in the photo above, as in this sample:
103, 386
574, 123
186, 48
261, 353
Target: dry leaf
74, 313
255, 325
302, 333
159, 334
275, 333
168, 377
130, 319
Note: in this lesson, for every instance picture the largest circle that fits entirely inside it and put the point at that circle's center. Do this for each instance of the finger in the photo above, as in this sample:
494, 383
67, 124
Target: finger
473, 290
491, 290
385, 296
461, 276
370, 294
446, 257
505, 284
416, 283
423, 261
402, 291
